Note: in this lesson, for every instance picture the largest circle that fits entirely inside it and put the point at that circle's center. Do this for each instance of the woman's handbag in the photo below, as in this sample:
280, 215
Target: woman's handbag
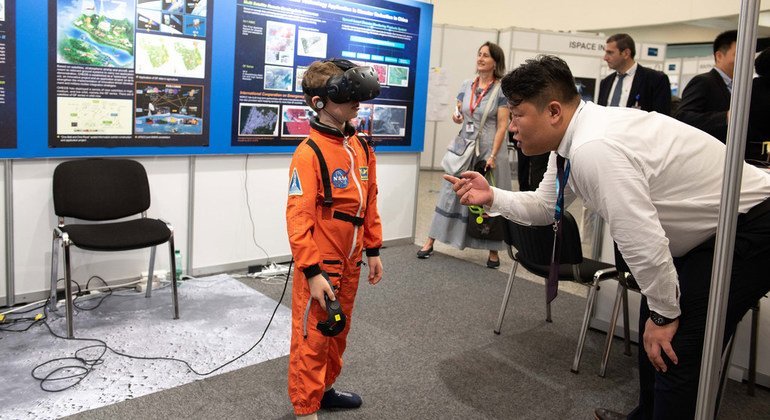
480, 224
461, 151
459, 155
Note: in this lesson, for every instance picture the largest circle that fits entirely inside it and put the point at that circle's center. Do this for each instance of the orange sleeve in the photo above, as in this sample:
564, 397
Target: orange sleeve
372, 222
301, 208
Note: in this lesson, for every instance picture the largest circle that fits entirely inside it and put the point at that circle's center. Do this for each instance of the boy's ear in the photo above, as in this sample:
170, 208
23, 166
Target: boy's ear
317, 102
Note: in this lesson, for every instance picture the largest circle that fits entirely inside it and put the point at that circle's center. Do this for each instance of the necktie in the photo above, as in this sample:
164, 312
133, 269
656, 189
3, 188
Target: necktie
562, 175
618, 90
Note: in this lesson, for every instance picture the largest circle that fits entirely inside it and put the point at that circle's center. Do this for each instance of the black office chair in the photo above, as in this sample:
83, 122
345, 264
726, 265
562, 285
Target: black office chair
104, 190
535, 245
626, 282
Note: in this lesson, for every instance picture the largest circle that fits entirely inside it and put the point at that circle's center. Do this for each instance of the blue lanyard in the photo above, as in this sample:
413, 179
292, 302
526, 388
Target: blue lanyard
562, 176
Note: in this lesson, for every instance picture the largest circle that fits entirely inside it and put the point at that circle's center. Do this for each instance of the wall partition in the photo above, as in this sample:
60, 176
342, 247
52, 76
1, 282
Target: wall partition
160, 81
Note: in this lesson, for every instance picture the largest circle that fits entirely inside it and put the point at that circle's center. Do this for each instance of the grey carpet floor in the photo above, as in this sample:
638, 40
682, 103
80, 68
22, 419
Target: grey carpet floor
422, 347
219, 319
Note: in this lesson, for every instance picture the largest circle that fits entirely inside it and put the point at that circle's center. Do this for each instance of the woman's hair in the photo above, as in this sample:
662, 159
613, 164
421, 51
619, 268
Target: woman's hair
540, 80
762, 63
498, 55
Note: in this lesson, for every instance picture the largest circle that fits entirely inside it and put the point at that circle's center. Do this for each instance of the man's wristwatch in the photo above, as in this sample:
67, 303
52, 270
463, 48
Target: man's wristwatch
659, 319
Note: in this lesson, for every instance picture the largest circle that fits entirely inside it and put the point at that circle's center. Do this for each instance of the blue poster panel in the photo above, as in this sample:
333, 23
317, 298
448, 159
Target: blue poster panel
7, 74
275, 42
129, 73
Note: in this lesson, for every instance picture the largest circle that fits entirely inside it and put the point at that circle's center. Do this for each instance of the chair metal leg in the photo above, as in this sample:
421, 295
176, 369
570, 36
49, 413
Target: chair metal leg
68, 287
611, 331
726, 355
173, 274
150, 273
54, 272
548, 310
590, 300
753, 348
626, 323
506, 296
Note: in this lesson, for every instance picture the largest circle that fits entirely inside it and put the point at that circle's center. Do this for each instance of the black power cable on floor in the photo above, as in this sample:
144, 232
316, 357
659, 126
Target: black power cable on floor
84, 366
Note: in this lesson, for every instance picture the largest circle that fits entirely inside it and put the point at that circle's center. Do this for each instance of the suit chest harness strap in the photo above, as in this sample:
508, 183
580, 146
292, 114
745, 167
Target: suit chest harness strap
326, 181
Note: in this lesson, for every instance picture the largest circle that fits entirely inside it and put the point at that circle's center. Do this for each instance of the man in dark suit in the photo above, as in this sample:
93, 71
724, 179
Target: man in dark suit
706, 99
632, 85
759, 124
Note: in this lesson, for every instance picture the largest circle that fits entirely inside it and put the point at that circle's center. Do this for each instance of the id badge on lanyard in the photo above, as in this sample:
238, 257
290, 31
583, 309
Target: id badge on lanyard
470, 127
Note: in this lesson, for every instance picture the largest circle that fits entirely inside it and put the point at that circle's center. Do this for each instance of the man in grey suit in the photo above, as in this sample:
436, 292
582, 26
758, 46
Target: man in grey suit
706, 99
632, 85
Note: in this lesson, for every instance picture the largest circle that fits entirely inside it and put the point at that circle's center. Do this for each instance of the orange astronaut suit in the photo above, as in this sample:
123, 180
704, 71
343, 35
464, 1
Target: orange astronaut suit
329, 238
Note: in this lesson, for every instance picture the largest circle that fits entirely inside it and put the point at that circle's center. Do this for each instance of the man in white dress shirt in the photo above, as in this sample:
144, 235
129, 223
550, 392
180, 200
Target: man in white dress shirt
657, 182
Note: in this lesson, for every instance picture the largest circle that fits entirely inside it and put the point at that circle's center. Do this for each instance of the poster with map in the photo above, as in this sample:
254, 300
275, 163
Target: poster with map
7, 74
276, 41
129, 73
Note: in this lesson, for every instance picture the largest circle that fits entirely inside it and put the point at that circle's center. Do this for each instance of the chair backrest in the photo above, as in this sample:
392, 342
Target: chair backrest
100, 189
535, 243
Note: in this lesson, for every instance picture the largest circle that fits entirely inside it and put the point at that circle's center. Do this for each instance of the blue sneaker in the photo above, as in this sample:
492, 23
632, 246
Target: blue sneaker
337, 399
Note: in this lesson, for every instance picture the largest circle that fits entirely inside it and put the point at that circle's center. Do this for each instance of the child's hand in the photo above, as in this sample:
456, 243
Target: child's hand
318, 287
375, 270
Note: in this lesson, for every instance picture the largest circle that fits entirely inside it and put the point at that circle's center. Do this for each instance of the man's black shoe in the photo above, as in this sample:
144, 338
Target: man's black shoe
604, 414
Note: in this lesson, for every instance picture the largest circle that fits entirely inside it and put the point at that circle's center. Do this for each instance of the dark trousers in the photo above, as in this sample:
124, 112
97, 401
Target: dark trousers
673, 394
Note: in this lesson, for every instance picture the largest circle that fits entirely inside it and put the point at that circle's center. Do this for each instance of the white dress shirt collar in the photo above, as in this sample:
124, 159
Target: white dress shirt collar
632, 70
566, 141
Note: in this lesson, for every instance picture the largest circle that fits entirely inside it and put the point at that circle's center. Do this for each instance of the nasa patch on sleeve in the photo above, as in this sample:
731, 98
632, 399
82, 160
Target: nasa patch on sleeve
295, 187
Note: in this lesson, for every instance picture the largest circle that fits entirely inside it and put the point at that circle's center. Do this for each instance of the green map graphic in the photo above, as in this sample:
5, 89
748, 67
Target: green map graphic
80, 52
190, 56
158, 54
117, 33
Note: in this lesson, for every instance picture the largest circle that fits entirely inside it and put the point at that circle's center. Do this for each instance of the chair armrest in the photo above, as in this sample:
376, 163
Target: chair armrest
606, 273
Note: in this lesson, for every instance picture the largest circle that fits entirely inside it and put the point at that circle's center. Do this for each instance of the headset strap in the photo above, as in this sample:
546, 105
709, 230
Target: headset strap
365, 145
328, 200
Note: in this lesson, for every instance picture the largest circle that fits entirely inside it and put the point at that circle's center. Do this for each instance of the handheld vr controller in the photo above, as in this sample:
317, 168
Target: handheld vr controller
336, 320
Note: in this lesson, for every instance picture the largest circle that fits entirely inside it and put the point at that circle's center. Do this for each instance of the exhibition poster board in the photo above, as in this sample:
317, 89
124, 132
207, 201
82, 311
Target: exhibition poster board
129, 73
169, 77
277, 41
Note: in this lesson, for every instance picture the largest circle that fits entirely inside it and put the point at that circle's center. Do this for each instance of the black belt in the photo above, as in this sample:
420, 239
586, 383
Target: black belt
754, 212
357, 221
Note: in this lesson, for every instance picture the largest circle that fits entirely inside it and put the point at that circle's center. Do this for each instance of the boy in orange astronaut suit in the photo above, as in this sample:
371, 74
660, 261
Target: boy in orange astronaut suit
331, 217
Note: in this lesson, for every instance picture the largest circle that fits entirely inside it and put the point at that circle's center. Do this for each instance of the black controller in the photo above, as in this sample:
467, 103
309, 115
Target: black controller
336, 320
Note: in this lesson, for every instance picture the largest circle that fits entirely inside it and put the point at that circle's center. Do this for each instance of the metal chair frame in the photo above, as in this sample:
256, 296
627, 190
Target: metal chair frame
62, 239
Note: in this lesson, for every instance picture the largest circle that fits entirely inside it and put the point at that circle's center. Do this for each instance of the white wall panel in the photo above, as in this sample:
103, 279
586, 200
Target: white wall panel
34, 221
222, 234
223, 231
458, 58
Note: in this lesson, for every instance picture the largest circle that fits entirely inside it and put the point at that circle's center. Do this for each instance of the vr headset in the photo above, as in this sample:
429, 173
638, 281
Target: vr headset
356, 84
